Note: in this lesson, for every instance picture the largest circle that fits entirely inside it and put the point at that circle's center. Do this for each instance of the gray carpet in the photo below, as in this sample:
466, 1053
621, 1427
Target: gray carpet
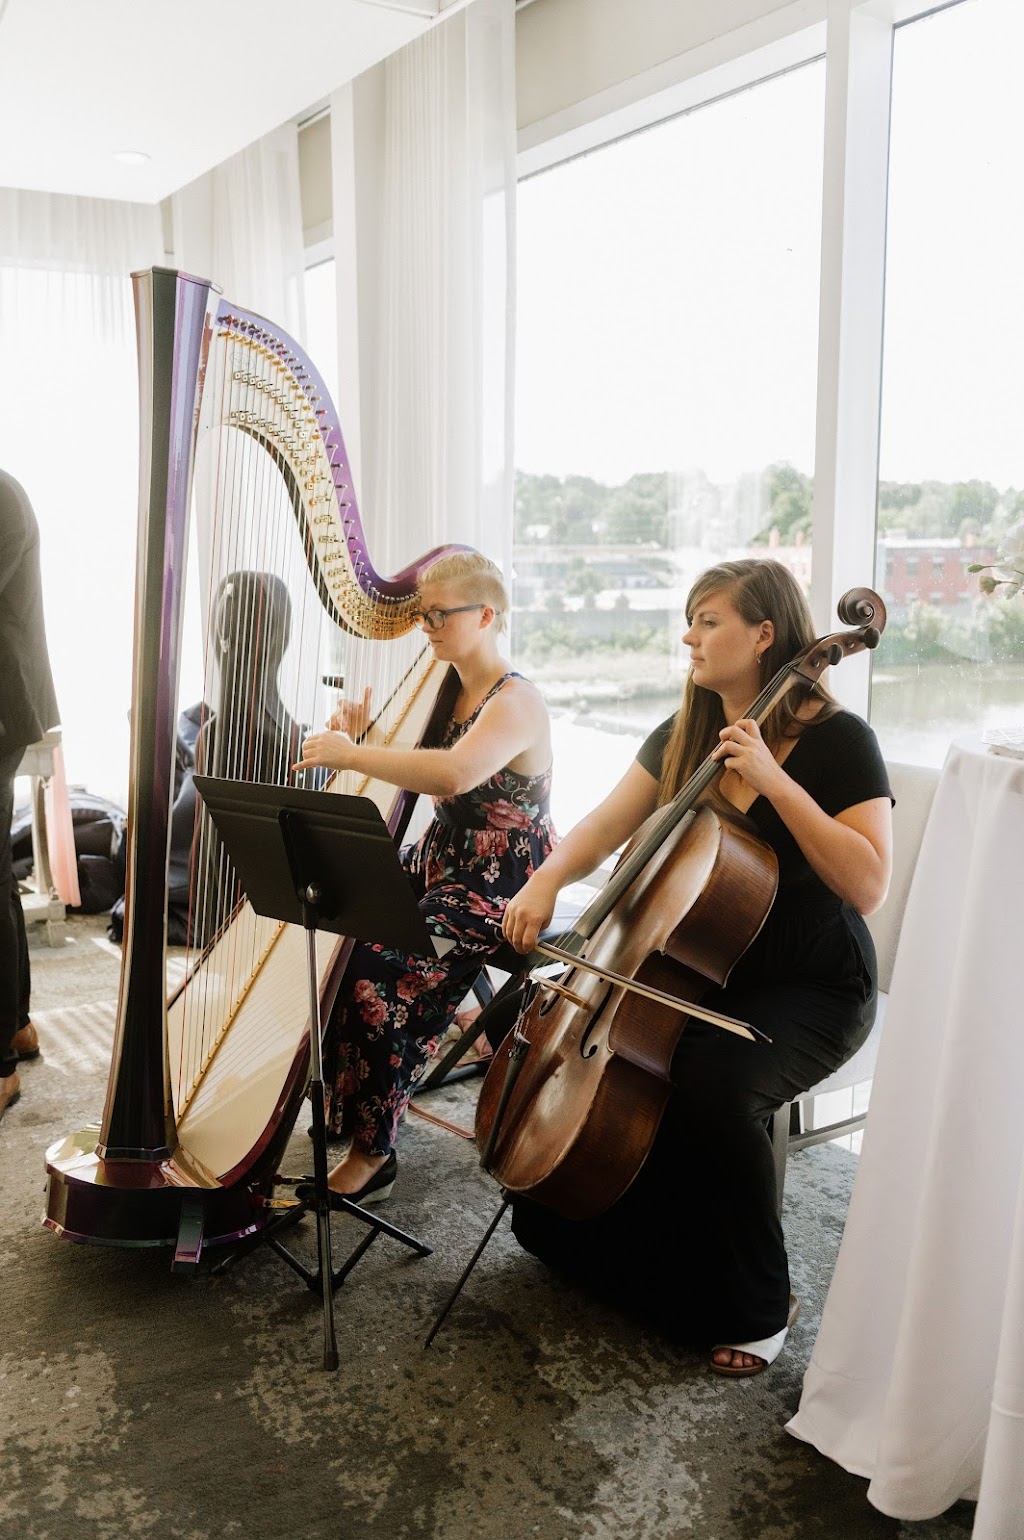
137, 1402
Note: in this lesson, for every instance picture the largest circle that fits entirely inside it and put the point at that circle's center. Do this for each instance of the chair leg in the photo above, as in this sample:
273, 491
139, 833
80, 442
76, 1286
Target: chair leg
780, 1149
483, 989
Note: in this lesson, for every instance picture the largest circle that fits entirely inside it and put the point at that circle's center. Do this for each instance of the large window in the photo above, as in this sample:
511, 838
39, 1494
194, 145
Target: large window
952, 448
665, 409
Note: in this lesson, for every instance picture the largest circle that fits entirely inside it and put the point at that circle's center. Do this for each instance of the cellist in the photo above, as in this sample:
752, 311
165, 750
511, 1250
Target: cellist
695, 1245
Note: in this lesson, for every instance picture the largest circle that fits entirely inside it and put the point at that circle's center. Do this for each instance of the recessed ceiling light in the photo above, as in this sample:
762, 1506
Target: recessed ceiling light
131, 157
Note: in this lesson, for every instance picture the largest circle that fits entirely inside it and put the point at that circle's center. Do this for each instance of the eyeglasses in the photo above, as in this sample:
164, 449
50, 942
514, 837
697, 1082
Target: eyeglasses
433, 620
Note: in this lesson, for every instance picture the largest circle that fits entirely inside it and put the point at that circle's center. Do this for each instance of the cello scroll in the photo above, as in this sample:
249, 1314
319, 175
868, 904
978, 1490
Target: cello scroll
859, 607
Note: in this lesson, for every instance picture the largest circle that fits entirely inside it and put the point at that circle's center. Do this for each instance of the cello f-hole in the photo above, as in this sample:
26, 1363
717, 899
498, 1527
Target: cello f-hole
587, 1050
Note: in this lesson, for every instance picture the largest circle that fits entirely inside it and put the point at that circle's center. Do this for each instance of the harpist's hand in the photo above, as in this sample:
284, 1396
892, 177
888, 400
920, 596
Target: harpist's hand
331, 749
529, 913
352, 717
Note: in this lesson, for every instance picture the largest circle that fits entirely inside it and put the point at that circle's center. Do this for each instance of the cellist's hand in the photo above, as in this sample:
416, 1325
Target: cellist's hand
745, 751
529, 912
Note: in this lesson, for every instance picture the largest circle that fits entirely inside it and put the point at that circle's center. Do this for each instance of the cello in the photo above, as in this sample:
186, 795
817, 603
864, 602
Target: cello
574, 1096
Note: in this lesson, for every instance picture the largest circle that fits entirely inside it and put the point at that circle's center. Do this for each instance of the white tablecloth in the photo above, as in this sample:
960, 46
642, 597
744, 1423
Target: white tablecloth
917, 1376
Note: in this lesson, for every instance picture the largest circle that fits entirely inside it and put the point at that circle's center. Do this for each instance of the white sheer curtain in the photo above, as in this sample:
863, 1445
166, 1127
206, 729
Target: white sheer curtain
240, 225
69, 433
425, 162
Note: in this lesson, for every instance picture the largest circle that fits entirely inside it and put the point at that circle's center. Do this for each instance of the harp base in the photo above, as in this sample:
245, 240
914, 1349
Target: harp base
99, 1202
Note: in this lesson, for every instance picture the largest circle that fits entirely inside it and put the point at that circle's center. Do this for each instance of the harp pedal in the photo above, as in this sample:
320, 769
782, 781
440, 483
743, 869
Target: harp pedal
283, 1205
190, 1236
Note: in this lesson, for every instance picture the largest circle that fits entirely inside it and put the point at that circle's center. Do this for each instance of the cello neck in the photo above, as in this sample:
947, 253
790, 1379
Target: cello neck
667, 818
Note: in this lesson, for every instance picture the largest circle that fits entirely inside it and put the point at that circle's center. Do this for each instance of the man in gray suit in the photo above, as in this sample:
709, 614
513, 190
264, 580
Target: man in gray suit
28, 709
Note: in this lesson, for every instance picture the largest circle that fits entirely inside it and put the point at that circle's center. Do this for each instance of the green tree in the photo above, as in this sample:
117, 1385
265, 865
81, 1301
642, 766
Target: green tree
536, 499
790, 500
975, 500
637, 512
898, 495
582, 579
897, 501
1006, 629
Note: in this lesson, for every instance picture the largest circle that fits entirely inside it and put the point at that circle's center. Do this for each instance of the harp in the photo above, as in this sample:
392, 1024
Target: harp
206, 1080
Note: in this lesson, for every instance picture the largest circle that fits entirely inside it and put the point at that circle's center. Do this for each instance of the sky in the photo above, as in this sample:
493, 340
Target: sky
667, 285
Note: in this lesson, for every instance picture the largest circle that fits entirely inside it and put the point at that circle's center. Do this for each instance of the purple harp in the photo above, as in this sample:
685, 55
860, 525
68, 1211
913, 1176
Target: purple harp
207, 1076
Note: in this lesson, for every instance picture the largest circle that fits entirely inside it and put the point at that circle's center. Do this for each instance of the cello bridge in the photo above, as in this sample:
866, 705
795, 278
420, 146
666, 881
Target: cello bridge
559, 989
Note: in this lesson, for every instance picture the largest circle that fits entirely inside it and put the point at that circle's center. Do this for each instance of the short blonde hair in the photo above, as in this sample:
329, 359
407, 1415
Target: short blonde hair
476, 579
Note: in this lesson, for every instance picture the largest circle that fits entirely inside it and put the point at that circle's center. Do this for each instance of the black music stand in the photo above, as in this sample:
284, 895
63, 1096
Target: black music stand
304, 857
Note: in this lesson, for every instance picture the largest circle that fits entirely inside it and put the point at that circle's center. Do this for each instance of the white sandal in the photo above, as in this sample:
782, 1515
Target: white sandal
767, 1350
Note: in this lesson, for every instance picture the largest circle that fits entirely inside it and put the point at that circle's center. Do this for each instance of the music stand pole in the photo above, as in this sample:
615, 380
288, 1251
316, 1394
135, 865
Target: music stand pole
310, 898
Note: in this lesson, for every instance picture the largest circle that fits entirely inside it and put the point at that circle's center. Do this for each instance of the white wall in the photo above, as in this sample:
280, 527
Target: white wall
315, 179
578, 61
569, 51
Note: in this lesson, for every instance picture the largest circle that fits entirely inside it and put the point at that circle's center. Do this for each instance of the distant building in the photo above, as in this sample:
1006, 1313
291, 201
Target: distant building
914, 570
542, 569
797, 557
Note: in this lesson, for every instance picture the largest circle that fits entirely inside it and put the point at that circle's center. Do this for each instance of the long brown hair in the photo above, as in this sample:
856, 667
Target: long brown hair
758, 590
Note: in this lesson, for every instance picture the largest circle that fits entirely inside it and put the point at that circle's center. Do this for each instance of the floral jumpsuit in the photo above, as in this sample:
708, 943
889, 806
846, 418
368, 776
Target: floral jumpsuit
477, 852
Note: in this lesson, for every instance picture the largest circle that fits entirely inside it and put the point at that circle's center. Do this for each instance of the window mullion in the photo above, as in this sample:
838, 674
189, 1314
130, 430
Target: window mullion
856, 151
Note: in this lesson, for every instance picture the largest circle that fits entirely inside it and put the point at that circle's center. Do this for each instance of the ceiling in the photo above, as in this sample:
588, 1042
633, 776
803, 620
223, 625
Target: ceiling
187, 83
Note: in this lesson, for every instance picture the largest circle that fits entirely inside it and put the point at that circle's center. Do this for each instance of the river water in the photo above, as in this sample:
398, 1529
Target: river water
917, 713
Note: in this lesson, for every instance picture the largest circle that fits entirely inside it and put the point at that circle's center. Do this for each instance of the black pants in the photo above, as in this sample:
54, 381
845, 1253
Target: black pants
15, 980
695, 1245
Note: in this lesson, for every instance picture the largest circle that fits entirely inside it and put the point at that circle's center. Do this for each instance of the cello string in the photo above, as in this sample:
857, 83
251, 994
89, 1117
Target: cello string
230, 619
675, 811
260, 558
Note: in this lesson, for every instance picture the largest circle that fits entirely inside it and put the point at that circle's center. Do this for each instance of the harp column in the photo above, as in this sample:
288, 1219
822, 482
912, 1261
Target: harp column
171, 316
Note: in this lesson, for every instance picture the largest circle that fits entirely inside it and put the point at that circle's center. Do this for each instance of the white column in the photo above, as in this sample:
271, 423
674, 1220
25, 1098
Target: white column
857, 93
356, 155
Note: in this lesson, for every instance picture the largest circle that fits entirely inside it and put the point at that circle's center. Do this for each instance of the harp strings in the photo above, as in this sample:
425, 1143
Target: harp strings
269, 641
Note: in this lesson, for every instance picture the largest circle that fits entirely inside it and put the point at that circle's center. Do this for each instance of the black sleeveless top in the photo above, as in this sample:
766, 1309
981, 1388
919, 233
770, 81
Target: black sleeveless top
837, 761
